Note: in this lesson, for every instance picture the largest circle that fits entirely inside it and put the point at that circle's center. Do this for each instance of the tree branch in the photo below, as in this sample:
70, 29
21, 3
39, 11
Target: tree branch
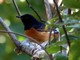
22, 46
60, 19
16, 42
30, 6
48, 9
14, 38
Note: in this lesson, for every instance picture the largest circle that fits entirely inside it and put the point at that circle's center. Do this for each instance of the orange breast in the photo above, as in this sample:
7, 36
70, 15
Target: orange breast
39, 36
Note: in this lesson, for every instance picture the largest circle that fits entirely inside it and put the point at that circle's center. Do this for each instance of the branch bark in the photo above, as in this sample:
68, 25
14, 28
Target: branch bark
25, 46
14, 38
48, 9
16, 42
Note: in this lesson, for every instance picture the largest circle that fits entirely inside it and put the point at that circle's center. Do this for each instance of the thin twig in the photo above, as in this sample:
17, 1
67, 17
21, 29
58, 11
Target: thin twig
16, 42
16, 7
50, 35
14, 38
60, 18
26, 37
3, 31
30, 6
69, 11
54, 37
49, 16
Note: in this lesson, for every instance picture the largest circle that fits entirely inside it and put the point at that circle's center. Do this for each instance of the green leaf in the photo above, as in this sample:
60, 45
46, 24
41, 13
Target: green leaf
71, 37
60, 56
73, 21
72, 3
52, 49
75, 50
51, 23
74, 26
68, 20
76, 14
61, 42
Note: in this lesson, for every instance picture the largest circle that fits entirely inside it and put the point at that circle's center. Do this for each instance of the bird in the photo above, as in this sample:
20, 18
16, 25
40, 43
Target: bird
35, 29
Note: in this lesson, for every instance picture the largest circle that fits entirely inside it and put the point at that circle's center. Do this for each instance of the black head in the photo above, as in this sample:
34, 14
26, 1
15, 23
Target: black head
29, 21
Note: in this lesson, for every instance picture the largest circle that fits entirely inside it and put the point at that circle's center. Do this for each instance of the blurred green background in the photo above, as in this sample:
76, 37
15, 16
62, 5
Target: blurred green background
8, 14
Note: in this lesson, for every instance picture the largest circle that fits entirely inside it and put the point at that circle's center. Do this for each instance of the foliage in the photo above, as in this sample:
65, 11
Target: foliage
71, 3
71, 22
